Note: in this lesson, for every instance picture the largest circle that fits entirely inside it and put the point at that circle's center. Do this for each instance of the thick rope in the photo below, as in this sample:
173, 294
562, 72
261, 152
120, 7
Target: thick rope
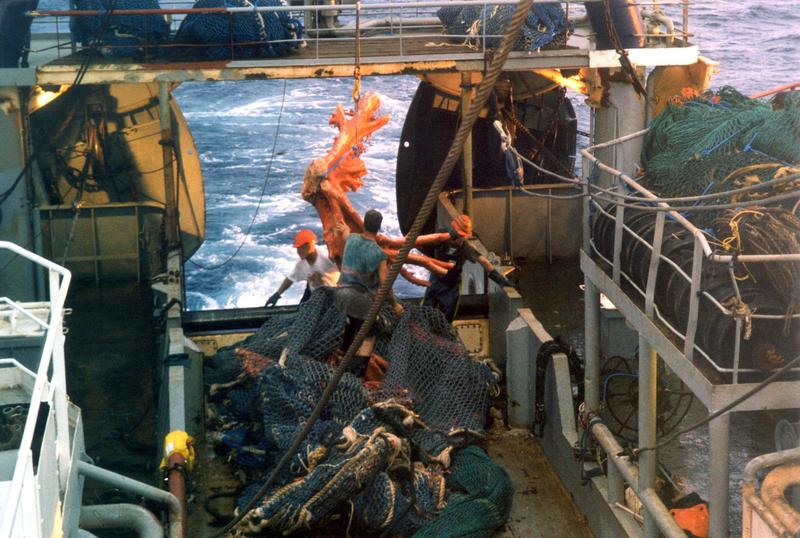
465, 128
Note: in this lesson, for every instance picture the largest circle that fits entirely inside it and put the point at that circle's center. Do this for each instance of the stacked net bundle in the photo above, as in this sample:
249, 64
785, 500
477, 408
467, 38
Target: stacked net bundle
377, 456
546, 24
243, 35
715, 142
124, 34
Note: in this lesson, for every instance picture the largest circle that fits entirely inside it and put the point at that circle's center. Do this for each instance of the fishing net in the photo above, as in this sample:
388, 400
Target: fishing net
714, 142
242, 35
378, 454
546, 25
482, 503
122, 34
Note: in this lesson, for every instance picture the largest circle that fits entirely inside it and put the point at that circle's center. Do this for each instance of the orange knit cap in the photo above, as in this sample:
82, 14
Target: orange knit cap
462, 225
303, 237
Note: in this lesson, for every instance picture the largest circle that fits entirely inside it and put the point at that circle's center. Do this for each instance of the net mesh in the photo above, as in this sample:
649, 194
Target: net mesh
380, 452
126, 33
718, 141
243, 35
546, 24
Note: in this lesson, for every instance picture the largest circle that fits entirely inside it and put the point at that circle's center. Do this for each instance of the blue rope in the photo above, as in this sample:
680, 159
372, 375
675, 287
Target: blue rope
707, 152
613, 375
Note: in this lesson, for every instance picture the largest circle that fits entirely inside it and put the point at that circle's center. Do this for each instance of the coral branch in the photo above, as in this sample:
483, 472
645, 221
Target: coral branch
328, 179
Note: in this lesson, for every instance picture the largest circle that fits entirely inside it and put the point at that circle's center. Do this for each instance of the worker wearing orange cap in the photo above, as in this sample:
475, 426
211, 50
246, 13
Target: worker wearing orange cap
443, 291
314, 267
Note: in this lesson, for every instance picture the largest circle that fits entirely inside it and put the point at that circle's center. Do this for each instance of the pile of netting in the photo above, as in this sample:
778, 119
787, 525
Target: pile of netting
390, 455
240, 35
208, 35
719, 141
120, 35
704, 144
545, 26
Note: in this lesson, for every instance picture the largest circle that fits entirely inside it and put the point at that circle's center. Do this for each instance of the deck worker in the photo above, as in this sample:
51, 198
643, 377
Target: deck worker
314, 267
443, 291
364, 267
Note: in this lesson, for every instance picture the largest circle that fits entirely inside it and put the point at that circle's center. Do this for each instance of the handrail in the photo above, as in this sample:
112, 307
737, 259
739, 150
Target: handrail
650, 499
703, 253
52, 352
696, 232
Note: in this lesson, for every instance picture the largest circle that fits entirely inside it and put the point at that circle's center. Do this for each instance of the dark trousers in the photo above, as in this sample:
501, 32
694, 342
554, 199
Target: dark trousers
442, 296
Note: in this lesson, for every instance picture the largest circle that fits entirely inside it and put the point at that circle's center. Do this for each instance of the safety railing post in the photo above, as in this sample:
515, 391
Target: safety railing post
591, 296
719, 431
655, 261
619, 224
694, 299
59, 383
647, 427
685, 22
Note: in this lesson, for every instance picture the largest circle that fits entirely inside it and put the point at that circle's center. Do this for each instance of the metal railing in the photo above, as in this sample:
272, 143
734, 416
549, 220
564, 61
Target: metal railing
703, 257
378, 21
49, 388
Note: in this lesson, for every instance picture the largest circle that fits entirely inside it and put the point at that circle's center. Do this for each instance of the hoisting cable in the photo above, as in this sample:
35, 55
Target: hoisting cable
758, 388
357, 68
484, 89
260, 199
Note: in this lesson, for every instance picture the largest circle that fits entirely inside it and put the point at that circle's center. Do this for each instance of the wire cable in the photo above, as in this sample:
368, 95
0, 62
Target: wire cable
485, 87
260, 199
747, 395
698, 198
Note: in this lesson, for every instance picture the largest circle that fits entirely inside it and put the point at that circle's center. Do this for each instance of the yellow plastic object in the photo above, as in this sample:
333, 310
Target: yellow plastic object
180, 442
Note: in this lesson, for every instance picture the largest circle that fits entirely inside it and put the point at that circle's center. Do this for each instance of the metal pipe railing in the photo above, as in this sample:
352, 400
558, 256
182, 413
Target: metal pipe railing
176, 523
652, 503
44, 389
121, 516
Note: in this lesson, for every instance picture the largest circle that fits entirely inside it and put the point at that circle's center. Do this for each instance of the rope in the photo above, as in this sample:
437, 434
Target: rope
575, 180
465, 128
260, 199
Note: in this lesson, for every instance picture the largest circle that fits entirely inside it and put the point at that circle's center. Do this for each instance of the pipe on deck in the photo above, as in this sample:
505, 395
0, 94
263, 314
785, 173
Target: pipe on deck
650, 499
176, 522
122, 516
176, 481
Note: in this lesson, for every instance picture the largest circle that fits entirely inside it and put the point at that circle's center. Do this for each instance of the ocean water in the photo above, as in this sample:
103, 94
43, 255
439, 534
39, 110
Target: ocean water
235, 126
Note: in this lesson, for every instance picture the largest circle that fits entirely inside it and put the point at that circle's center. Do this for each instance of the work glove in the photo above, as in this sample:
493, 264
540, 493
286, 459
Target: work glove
500, 279
273, 299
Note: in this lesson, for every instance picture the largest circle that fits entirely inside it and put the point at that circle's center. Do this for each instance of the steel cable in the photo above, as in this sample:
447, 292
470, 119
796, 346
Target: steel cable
485, 87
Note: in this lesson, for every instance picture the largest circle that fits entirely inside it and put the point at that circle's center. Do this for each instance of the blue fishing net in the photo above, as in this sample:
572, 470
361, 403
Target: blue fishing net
239, 35
545, 25
377, 456
483, 502
124, 35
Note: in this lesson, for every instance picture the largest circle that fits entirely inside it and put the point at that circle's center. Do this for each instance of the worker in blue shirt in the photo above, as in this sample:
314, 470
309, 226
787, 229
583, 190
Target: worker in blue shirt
364, 267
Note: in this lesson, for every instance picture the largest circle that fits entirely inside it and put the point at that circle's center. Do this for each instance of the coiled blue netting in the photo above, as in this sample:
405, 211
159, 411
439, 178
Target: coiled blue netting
241, 35
544, 25
124, 34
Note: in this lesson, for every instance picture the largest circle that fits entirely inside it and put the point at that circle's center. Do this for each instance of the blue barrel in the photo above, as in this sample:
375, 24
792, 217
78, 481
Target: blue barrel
625, 19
